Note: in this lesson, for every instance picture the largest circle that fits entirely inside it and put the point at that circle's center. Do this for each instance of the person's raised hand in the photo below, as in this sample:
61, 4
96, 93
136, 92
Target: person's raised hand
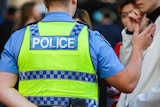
143, 40
134, 18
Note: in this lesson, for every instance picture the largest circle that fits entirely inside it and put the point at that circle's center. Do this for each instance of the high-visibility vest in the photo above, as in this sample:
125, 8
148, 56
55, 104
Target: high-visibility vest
55, 65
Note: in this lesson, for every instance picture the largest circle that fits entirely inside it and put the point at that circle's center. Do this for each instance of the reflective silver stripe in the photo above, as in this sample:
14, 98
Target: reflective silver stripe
69, 75
59, 101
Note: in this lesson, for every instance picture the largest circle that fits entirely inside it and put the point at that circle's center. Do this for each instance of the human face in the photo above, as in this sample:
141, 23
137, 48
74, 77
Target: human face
124, 13
147, 6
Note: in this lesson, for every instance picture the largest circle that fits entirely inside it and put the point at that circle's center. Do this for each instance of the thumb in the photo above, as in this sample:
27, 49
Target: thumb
136, 30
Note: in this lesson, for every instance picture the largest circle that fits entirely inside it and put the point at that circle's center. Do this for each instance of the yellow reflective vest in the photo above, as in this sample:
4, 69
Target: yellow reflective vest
55, 65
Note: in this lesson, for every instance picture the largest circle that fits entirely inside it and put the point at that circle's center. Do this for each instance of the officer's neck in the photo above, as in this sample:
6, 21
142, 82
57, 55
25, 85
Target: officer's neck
59, 9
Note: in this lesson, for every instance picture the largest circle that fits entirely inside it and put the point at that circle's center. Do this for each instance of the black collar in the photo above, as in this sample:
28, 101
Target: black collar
154, 15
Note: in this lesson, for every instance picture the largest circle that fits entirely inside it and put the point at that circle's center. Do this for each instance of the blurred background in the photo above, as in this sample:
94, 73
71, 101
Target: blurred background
96, 8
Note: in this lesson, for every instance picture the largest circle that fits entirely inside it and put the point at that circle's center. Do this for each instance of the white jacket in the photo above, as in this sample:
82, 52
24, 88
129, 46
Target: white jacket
147, 92
126, 48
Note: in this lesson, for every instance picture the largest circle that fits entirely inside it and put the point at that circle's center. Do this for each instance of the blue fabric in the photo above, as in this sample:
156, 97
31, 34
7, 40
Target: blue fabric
0, 20
103, 57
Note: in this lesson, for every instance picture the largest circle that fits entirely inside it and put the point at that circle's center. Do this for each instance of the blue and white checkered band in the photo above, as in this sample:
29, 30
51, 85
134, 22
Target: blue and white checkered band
70, 42
76, 30
34, 30
66, 75
59, 101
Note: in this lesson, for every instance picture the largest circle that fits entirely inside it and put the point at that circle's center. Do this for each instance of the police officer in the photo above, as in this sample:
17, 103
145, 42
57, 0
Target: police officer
58, 60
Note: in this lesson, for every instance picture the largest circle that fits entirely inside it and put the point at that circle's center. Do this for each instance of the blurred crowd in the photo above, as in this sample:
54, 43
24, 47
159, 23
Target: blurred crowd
14, 18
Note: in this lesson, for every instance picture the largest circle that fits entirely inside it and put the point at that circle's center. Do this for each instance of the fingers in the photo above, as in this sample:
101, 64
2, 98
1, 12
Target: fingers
148, 33
149, 30
136, 30
136, 15
144, 39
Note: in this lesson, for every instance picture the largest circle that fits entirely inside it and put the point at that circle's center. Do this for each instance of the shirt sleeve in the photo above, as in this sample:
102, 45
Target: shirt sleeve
8, 61
103, 56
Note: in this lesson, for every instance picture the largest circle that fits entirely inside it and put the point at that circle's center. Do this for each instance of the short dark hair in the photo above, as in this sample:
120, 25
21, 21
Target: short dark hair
49, 2
123, 3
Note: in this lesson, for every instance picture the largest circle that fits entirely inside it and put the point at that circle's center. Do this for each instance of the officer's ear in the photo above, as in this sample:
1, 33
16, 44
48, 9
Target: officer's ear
74, 2
74, 6
44, 1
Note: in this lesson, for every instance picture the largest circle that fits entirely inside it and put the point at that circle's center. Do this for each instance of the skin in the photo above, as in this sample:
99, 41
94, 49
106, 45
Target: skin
147, 6
124, 13
137, 16
125, 81
134, 17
